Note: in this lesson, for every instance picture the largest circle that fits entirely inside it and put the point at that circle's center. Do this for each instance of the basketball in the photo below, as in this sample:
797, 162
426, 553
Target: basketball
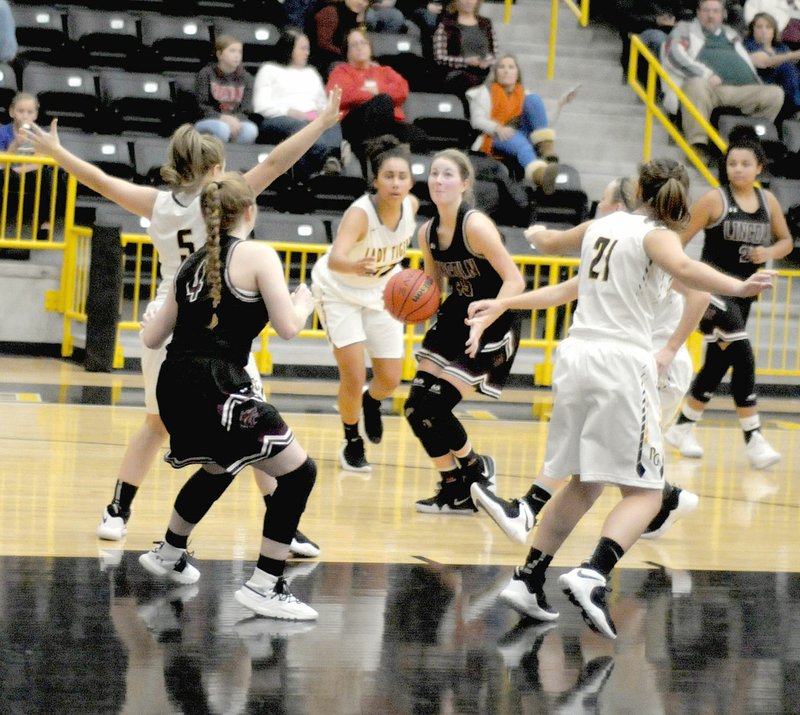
411, 296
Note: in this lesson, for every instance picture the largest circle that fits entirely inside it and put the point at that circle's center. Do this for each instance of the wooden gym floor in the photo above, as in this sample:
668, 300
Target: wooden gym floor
409, 620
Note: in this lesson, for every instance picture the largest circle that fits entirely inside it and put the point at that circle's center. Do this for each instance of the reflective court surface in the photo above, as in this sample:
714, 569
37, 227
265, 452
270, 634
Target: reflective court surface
409, 616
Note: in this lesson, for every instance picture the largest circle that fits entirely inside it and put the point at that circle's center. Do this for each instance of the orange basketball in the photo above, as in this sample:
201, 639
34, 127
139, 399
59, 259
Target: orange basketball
411, 296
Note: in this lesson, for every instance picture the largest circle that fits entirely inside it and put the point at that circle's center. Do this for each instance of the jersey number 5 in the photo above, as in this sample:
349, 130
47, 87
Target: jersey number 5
598, 268
185, 243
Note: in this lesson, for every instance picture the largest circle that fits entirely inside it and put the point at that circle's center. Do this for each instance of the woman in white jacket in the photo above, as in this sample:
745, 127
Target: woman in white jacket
288, 94
514, 123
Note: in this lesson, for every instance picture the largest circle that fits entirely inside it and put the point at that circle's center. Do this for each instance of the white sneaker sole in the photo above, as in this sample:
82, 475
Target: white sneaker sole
525, 606
514, 531
189, 576
765, 463
274, 609
108, 533
687, 503
592, 615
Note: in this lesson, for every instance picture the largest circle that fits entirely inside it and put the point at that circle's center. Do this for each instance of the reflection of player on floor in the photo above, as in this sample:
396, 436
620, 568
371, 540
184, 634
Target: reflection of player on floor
348, 282
675, 319
176, 230
740, 222
604, 427
464, 246
223, 296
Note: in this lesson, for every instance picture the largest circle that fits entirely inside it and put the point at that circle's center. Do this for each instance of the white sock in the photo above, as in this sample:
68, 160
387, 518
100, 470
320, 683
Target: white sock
170, 552
262, 579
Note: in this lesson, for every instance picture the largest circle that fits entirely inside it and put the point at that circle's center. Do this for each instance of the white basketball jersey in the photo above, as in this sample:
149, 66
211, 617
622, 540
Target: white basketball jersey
386, 246
667, 316
619, 286
177, 230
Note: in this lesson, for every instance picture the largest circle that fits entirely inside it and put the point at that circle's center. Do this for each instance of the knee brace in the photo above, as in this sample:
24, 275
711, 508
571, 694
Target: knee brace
430, 415
714, 368
743, 379
199, 494
288, 502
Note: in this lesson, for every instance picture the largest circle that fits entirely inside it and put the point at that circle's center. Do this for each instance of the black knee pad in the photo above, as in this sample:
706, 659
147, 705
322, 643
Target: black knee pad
414, 408
711, 373
288, 502
743, 379
198, 495
430, 415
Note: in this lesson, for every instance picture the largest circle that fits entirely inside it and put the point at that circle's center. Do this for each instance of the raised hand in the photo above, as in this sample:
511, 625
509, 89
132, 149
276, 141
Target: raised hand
330, 115
42, 141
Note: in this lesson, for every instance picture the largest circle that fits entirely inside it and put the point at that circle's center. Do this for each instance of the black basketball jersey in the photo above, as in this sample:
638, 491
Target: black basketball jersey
729, 241
470, 275
240, 316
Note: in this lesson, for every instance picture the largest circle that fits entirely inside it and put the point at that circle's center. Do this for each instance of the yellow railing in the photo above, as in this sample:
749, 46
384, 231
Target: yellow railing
648, 95
28, 201
581, 12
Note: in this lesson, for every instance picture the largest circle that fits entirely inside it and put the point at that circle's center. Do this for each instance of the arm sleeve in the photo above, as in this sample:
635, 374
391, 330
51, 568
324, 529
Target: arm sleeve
676, 49
393, 84
440, 50
480, 109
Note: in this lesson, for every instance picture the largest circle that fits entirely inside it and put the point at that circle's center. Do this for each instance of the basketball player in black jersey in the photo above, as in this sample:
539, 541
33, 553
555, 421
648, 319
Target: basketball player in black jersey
224, 294
744, 228
464, 246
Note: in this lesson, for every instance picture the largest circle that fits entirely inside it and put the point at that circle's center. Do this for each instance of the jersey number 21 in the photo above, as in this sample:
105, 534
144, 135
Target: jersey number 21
598, 268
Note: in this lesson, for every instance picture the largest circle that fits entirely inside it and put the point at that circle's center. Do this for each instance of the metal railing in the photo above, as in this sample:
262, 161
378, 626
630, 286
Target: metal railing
581, 12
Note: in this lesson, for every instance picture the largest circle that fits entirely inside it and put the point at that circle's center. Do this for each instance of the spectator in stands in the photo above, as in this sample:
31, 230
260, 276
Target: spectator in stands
8, 33
708, 59
24, 109
774, 61
372, 98
786, 14
224, 93
336, 18
514, 124
464, 46
424, 14
288, 93
652, 20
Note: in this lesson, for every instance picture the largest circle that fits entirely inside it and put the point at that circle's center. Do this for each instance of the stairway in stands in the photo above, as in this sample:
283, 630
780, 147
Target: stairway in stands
601, 133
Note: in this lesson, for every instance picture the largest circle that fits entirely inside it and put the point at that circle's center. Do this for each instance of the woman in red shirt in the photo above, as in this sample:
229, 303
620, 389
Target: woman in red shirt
372, 98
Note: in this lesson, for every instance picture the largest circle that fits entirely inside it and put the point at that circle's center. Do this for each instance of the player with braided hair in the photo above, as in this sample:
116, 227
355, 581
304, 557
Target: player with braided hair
177, 230
216, 417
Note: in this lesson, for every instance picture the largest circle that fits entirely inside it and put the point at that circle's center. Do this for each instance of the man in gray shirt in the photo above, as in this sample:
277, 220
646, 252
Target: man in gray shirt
708, 59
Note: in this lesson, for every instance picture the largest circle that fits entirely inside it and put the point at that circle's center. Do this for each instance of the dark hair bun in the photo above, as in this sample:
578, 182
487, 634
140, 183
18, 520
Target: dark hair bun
377, 145
743, 134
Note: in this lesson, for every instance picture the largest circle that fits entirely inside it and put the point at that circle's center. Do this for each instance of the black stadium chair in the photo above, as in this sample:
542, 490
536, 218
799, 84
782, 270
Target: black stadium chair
140, 103
109, 152
67, 93
41, 33
181, 44
403, 53
258, 40
282, 194
8, 88
441, 117
568, 203
105, 38
149, 154
292, 228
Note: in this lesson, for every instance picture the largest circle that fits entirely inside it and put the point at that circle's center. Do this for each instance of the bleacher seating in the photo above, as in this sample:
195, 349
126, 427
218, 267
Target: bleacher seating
258, 40
149, 154
67, 93
8, 88
109, 152
41, 32
105, 39
568, 203
140, 103
181, 44
441, 117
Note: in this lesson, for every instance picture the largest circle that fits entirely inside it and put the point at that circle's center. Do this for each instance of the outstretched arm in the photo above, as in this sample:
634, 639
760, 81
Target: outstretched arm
482, 313
283, 156
137, 199
695, 303
556, 243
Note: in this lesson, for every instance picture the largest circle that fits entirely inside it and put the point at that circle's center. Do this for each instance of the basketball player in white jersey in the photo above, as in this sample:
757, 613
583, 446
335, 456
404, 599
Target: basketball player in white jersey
177, 229
348, 282
676, 318
605, 424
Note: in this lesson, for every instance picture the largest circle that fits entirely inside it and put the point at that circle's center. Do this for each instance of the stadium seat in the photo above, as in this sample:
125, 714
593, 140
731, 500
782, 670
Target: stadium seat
8, 88
765, 129
282, 194
258, 40
515, 241
41, 33
790, 131
334, 193
183, 92
568, 203
67, 93
149, 154
106, 39
787, 191
111, 153
181, 44
294, 228
141, 103
420, 168
109, 214
387, 43
441, 117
